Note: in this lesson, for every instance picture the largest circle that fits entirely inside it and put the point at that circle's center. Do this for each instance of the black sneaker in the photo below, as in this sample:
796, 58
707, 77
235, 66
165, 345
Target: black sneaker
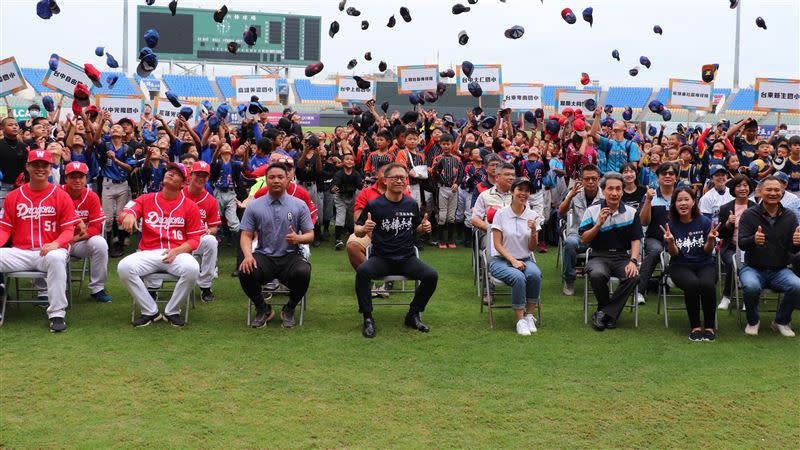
696, 336
145, 320
57, 325
261, 318
339, 245
206, 295
154, 295
709, 336
175, 320
102, 296
42, 301
287, 318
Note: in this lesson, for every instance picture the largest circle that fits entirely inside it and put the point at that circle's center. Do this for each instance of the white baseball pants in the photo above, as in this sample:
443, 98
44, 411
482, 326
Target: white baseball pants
207, 250
96, 250
54, 264
136, 266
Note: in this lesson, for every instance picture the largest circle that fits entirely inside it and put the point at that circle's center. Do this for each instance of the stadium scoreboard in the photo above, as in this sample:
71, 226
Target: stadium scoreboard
193, 35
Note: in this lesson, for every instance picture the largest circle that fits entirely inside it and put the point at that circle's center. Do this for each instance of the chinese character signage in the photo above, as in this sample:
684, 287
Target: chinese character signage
773, 94
348, 91
489, 76
574, 98
417, 78
165, 109
66, 77
129, 106
262, 86
522, 96
11, 80
690, 94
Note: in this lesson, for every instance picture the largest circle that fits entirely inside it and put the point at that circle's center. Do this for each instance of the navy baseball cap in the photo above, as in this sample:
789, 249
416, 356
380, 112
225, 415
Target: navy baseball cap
716, 168
151, 37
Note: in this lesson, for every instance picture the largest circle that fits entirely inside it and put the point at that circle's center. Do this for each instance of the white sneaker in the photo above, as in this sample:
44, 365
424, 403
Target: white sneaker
640, 299
569, 288
522, 328
752, 330
531, 322
724, 303
784, 330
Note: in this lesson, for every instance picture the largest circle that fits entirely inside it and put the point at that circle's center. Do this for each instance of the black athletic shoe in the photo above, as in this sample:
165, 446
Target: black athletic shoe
696, 336
709, 336
368, 328
175, 320
145, 320
261, 319
57, 325
206, 295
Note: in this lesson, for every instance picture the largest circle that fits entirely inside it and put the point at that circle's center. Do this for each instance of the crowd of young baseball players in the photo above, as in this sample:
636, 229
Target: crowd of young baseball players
86, 185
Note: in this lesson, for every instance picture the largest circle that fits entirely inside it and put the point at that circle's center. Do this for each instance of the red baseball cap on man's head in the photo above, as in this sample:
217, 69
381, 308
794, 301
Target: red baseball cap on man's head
76, 166
178, 168
92, 109
39, 155
201, 166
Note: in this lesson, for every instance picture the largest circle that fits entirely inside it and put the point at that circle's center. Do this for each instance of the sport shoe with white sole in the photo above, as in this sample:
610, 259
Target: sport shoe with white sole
640, 299
287, 319
57, 325
531, 322
752, 330
522, 328
784, 330
569, 288
145, 320
724, 303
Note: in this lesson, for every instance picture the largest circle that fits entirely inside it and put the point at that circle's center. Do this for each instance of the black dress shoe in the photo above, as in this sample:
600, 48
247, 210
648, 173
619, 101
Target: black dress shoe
598, 321
413, 321
368, 329
611, 324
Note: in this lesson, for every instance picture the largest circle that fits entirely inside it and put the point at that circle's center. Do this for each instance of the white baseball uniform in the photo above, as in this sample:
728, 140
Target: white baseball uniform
208, 248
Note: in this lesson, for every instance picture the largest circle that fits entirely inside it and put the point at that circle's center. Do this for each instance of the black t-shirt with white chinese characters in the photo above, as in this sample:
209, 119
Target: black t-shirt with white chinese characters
395, 226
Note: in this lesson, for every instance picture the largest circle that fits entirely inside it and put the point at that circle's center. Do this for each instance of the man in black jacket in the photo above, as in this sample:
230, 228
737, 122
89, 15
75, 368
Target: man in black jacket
769, 235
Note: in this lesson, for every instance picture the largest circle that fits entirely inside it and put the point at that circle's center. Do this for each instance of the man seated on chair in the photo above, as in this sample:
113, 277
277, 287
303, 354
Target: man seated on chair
88, 241
171, 231
613, 232
40, 220
393, 218
769, 234
283, 223
209, 216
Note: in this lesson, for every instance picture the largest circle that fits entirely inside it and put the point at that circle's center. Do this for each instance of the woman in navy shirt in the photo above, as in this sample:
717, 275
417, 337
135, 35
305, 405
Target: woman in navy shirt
690, 241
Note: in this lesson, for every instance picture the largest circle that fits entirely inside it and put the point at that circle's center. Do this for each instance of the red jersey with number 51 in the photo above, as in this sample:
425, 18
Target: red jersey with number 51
166, 224
35, 218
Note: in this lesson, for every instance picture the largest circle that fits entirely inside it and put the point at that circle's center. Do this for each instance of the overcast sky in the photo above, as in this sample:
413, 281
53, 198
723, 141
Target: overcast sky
696, 32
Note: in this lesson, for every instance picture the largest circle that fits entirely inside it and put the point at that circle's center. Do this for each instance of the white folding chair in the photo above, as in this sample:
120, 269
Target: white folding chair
766, 294
25, 275
562, 235
161, 278
665, 284
394, 279
491, 293
477, 256
77, 267
633, 306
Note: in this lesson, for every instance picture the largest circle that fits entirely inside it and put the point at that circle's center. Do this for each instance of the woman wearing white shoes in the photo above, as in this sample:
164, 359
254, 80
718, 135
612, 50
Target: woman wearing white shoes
514, 236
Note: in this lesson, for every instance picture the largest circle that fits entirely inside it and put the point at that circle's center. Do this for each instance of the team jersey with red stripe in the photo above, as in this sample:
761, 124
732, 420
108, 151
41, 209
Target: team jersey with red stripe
166, 224
89, 209
34, 218
209, 210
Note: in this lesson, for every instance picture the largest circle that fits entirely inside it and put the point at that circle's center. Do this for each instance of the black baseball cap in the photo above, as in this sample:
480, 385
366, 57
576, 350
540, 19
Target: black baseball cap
519, 181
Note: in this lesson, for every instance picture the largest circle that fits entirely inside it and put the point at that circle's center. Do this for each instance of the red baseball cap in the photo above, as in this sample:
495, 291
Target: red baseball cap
201, 166
39, 155
178, 168
81, 95
76, 108
92, 109
93, 74
76, 166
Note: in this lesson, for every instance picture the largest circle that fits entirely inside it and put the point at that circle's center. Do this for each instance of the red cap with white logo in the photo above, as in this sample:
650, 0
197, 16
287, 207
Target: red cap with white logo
39, 155
201, 166
76, 166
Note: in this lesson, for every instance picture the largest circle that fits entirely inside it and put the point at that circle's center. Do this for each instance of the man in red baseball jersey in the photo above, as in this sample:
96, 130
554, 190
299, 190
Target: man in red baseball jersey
40, 219
209, 215
171, 231
88, 241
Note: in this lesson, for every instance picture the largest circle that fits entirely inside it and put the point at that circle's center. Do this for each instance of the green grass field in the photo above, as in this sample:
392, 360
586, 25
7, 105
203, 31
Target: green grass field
219, 384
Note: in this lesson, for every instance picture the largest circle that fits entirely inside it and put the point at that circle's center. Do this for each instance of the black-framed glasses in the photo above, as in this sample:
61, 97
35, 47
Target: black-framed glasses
397, 178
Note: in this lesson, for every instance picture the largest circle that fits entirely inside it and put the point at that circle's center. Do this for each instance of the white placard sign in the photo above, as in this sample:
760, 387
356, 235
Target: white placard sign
521, 96
262, 86
130, 106
774, 94
66, 77
11, 79
574, 98
690, 94
348, 91
489, 76
417, 78
170, 113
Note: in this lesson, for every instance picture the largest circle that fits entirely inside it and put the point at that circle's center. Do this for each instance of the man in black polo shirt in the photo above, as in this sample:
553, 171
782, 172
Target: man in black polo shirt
392, 219
611, 229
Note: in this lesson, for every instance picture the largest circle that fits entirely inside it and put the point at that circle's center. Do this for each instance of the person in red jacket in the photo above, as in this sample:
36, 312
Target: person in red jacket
209, 214
171, 230
41, 218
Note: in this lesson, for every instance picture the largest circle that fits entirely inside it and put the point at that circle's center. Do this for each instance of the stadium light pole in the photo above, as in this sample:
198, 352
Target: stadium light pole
125, 36
736, 46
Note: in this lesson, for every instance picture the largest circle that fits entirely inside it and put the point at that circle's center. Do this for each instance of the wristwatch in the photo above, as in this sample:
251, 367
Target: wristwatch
634, 260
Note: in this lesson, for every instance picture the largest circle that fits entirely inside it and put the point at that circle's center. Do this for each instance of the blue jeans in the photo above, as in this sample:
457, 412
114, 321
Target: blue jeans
524, 285
784, 280
572, 246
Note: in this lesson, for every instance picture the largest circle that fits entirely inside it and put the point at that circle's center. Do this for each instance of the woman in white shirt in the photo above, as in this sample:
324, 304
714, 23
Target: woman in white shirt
514, 236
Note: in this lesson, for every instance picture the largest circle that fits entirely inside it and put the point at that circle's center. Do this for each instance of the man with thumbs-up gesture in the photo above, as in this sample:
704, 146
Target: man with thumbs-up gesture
393, 219
769, 235
282, 223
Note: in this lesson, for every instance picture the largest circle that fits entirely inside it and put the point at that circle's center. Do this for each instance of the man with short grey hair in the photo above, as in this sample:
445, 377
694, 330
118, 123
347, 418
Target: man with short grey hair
583, 194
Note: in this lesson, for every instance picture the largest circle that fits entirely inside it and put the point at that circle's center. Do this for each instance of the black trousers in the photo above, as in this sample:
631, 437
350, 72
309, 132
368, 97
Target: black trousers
377, 267
291, 270
600, 269
699, 287
727, 254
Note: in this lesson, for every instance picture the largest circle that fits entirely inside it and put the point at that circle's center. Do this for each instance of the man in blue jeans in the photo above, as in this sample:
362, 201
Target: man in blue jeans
583, 194
769, 235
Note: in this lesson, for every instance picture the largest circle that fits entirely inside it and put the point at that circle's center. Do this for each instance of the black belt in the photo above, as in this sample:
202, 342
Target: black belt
117, 181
